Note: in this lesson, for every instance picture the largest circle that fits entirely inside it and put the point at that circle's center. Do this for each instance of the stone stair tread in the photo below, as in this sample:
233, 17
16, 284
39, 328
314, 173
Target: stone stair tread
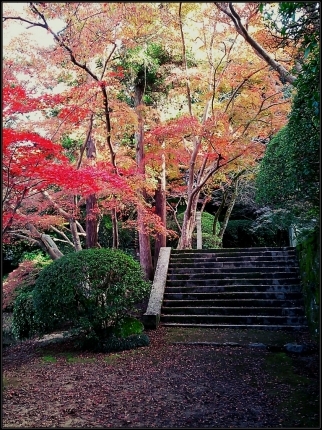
235, 270
234, 287
229, 282
219, 265
240, 326
212, 305
249, 274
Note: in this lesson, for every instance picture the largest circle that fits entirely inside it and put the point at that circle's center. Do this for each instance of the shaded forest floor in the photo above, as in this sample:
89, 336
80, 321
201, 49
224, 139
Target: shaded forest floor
173, 382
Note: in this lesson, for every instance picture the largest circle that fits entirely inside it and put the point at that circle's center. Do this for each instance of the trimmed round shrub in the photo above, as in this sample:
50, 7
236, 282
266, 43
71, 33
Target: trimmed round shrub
92, 290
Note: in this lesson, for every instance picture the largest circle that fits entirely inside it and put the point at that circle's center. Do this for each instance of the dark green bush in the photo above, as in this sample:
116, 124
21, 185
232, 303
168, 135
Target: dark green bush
113, 343
24, 324
23, 278
92, 290
308, 251
208, 239
241, 233
127, 237
128, 326
8, 338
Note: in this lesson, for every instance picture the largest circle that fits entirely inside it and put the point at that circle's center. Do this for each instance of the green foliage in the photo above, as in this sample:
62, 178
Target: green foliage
296, 22
37, 256
289, 173
247, 233
275, 182
92, 289
53, 112
24, 324
128, 326
309, 259
114, 343
207, 222
141, 65
208, 239
8, 337
142, 68
23, 278
126, 236
14, 251
71, 147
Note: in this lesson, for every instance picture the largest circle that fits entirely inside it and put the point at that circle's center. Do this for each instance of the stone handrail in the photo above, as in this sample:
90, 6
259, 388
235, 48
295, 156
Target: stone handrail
151, 318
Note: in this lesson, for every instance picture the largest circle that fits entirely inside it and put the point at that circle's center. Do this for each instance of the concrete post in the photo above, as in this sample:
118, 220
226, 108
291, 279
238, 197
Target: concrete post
292, 237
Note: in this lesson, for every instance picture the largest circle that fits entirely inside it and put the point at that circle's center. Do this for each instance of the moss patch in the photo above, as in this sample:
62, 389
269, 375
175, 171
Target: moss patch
309, 261
300, 406
240, 336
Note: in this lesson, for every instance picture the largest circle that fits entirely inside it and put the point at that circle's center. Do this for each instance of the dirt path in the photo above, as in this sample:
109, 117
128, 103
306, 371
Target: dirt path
222, 382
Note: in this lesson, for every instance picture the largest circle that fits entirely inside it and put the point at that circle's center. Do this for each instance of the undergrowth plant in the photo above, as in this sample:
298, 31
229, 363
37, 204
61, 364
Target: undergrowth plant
92, 291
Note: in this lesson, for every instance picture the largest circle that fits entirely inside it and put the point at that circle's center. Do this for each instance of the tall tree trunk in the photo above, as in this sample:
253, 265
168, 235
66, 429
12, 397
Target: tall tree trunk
144, 238
115, 230
160, 209
189, 222
113, 161
91, 203
91, 222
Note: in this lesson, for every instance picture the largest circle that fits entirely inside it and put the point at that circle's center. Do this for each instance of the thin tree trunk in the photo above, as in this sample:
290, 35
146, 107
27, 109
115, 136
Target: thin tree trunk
218, 212
144, 238
91, 222
189, 222
160, 209
91, 204
228, 211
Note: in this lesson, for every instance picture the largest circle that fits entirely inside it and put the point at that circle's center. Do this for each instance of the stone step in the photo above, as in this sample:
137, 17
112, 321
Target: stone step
259, 249
247, 252
244, 270
235, 288
231, 304
232, 255
232, 274
226, 282
214, 264
283, 327
230, 288
227, 297
233, 311
234, 319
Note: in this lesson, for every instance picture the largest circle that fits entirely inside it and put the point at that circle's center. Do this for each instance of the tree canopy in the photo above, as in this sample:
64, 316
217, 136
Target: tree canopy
133, 105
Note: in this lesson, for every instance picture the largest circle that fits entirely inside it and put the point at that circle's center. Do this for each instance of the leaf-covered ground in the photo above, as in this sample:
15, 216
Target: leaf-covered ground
164, 385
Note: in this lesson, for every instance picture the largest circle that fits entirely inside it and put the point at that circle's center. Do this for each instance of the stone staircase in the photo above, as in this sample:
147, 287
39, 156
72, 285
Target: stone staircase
234, 288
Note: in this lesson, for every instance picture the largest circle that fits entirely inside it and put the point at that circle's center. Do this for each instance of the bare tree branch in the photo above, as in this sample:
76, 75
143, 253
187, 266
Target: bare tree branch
228, 9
